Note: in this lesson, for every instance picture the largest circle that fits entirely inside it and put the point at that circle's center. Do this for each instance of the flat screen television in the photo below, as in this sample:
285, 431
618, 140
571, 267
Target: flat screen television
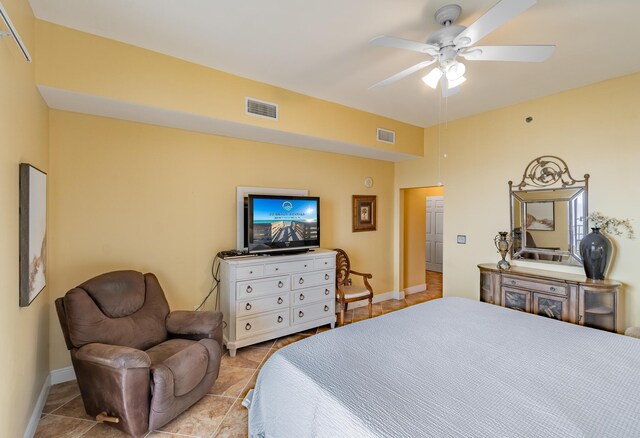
277, 223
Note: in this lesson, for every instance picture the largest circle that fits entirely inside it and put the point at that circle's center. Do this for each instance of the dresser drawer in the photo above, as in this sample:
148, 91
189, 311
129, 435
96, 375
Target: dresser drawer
325, 263
246, 272
258, 305
305, 296
249, 289
254, 325
311, 279
288, 267
302, 314
536, 285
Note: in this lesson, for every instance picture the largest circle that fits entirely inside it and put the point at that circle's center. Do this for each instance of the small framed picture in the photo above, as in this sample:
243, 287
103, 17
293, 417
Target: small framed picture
364, 213
541, 216
33, 232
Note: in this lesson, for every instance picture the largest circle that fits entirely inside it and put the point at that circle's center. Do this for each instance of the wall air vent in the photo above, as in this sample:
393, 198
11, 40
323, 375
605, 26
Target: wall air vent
386, 136
259, 108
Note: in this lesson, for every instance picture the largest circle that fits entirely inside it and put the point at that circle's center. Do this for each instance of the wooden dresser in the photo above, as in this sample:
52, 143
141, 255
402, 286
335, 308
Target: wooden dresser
567, 297
267, 297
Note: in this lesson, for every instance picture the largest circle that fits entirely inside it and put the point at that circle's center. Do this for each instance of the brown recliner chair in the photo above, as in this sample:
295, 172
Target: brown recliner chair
135, 361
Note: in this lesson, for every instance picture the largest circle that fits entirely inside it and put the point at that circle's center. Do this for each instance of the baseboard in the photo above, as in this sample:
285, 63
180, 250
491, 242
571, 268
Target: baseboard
32, 425
62, 375
415, 289
391, 295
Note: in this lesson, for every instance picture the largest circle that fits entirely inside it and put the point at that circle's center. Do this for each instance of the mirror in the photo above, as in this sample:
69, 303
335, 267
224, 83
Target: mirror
548, 213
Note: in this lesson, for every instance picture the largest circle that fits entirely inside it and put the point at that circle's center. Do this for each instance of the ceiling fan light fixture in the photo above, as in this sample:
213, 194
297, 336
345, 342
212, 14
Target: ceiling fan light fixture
455, 71
454, 83
432, 78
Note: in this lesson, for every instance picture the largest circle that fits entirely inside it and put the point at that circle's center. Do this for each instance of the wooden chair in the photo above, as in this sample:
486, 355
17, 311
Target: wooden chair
346, 292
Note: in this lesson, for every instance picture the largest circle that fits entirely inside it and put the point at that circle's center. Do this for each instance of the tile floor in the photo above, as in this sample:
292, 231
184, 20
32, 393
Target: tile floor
219, 413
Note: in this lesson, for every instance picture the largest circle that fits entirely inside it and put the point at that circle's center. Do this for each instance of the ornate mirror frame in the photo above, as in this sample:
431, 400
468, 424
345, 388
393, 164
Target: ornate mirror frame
547, 180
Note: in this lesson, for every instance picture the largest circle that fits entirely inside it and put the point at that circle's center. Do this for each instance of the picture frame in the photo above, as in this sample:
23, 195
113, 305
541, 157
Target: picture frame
364, 215
33, 232
541, 216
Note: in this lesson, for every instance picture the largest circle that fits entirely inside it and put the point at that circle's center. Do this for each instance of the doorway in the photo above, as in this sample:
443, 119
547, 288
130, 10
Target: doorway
422, 229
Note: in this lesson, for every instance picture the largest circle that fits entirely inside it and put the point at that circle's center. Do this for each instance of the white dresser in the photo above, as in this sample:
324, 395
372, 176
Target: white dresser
267, 297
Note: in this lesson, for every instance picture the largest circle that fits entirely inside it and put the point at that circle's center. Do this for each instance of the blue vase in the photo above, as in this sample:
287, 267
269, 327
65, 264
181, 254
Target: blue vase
595, 250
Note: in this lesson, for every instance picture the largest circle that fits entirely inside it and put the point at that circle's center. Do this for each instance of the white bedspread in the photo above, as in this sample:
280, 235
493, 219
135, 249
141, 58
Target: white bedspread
452, 368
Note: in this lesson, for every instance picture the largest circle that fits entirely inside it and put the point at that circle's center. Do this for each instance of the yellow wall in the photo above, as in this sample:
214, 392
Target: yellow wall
129, 195
81, 62
24, 364
594, 128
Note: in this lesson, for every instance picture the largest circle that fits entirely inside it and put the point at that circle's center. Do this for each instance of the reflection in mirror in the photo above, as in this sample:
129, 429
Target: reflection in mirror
548, 221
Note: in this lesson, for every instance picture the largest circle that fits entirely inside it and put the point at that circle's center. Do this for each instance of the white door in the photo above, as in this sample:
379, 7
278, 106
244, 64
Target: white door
435, 225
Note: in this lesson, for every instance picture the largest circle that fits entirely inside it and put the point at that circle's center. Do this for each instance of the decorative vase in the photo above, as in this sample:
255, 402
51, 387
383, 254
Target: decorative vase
595, 250
503, 242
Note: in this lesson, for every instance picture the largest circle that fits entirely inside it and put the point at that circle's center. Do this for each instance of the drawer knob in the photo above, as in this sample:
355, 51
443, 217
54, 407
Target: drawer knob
301, 314
279, 318
280, 284
250, 272
248, 306
326, 291
326, 308
301, 280
277, 269
305, 266
249, 289
513, 282
326, 276
301, 297
247, 327
552, 289
279, 300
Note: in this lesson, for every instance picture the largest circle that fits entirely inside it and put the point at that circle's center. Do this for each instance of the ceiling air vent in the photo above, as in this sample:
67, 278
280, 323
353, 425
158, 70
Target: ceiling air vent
386, 136
260, 108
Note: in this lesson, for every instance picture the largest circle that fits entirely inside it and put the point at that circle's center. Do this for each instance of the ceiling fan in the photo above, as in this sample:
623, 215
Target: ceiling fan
445, 45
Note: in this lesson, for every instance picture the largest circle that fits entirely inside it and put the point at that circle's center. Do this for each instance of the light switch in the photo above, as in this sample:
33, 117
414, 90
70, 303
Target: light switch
462, 239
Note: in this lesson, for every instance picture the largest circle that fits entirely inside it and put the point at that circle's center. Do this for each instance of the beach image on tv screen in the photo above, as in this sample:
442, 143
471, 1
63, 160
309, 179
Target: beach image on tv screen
284, 220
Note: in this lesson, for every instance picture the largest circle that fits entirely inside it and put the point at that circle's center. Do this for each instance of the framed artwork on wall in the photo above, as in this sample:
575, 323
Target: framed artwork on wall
33, 232
364, 213
541, 216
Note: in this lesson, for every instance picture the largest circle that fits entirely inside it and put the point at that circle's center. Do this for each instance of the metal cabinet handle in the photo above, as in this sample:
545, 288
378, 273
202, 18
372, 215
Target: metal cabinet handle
301, 297
552, 289
279, 300
248, 306
326, 291
301, 280
247, 327
326, 308
326, 276
280, 284
301, 314
279, 318
249, 289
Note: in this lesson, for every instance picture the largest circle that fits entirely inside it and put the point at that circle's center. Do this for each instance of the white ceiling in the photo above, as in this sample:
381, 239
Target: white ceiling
320, 48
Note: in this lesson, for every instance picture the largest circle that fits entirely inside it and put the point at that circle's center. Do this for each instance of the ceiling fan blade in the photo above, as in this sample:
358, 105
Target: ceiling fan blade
509, 53
403, 74
399, 43
495, 17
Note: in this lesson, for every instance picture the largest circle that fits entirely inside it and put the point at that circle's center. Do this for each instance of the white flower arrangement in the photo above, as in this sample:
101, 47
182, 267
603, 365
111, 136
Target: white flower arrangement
611, 225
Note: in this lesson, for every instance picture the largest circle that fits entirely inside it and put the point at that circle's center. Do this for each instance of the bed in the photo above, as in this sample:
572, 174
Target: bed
451, 367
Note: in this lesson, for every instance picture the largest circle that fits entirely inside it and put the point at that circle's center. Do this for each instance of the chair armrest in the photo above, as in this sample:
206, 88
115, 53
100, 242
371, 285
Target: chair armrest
194, 324
113, 356
361, 274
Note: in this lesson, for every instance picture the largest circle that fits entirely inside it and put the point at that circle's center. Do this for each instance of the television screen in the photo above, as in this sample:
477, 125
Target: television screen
280, 223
